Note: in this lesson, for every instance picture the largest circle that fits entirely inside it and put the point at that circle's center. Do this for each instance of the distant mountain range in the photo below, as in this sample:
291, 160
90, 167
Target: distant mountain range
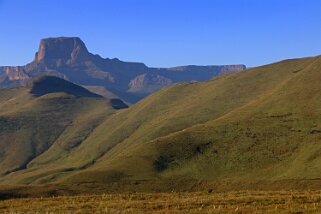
68, 58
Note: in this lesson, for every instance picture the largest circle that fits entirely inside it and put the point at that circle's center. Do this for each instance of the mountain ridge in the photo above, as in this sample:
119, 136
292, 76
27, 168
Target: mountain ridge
69, 58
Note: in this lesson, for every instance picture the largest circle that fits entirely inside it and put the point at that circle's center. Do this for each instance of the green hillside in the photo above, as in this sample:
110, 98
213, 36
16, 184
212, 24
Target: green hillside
48, 111
259, 124
262, 124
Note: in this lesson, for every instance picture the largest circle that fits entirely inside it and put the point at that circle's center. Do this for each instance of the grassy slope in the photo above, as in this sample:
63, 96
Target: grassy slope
56, 121
259, 124
262, 124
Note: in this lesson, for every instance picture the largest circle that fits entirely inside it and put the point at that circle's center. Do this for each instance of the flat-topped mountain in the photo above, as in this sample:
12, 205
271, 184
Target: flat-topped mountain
68, 58
64, 50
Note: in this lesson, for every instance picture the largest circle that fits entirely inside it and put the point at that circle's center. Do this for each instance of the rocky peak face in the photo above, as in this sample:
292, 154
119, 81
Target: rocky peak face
148, 83
209, 68
232, 68
64, 49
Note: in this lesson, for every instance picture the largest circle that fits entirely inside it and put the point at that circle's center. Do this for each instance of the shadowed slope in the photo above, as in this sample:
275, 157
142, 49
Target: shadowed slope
35, 117
50, 84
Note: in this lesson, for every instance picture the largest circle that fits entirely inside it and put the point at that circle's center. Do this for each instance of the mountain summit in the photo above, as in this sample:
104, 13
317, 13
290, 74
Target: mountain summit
68, 58
63, 49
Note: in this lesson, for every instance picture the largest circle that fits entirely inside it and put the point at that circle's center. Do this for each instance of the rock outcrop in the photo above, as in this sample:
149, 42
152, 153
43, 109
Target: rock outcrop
148, 83
64, 50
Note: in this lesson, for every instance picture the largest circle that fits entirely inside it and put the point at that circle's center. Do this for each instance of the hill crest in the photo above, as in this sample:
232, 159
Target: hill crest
50, 84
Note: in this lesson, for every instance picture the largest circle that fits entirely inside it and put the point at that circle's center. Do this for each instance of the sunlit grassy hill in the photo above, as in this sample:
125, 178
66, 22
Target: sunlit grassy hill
260, 124
263, 123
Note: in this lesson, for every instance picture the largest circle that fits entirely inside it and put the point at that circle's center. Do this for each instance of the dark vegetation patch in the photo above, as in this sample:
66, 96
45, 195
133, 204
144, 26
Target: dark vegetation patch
4, 196
172, 154
9, 124
296, 71
314, 131
281, 115
118, 104
162, 162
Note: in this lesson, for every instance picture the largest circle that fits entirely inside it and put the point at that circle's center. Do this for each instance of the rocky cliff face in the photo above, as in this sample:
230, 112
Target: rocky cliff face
68, 58
210, 68
15, 72
64, 50
232, 68
148, 83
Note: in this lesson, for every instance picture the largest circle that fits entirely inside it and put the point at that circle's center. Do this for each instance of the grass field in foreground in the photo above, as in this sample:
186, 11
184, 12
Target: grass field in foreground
197, 202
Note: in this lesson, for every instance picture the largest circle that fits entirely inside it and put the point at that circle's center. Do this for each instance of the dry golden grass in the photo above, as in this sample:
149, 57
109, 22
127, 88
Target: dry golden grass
197, 202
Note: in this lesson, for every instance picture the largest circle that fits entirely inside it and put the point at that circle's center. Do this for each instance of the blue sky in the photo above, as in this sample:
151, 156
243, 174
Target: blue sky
165, 33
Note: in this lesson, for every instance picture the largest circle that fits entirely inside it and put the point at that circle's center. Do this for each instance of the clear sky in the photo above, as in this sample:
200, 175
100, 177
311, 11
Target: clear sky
165, 33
